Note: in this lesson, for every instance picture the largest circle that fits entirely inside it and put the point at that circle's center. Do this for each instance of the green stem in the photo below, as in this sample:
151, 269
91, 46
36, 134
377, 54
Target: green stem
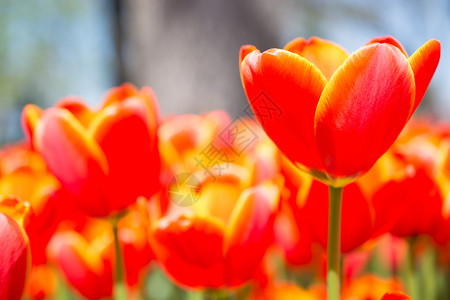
410, 275
219, 295
429, 274
334, 243
119, 287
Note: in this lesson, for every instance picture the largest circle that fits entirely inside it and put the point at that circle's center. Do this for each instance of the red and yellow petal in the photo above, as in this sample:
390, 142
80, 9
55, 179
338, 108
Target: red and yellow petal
30, 117
189, 249
122, 133
14, 258
396, 296
362, 110
82, 265
119, 94
244, 51
250, 232
77, 108
424, 63
283, 89
74, 157
388, 40
326, 55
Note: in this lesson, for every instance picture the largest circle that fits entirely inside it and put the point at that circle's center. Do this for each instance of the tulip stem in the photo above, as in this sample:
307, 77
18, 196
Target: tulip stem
219, 295
119, 287
334, 243
411, 281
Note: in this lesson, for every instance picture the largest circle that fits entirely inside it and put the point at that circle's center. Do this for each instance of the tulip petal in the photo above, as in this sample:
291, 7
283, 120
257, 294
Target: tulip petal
189, 249
326, 55
30, 116
396, 296
363, 109
14, 258
77, 108
121, 131
82, 265
424, 63
74, 158
119, 94
388, 40
244, 51
283, 89
249, 232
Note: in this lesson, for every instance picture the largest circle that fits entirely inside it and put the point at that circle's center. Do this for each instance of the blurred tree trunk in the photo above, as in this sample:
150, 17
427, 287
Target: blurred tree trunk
118, 40
187, 51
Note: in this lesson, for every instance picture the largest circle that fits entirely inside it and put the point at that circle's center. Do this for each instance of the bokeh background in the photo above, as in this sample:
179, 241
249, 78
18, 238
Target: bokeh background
187, 50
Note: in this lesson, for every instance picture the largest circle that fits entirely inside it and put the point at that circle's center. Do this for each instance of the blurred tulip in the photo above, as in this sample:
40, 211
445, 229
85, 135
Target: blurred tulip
286, 291
105, 158
84, 251
331, 114
136, 251
420, 153
211, 142
85, 259
367, 211
24, 174
220, 241
396, 296
369, 288
15, 256
42, 284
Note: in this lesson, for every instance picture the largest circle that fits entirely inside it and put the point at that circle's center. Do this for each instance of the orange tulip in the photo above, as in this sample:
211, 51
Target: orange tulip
287, 291
367, 211
370, 287
15, 250
105, 158
23, 174
135, 247
396, 296
89, 242
221, 240
331, 114
43, 283
423, 184
85, 259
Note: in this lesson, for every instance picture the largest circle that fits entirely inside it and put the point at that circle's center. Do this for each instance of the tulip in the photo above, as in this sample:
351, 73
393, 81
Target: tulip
43, 283
15, 250
396, 296
286, 291
370, 287
220, 241
24, 174
85, 259
89, 242
105, 158
334, 115
134, 244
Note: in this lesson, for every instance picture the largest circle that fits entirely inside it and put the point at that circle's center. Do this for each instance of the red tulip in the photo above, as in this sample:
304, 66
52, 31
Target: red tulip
396, 296
105, 158
85, 259
43, 283
15, 249
332, 115
24, 174
223, 246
